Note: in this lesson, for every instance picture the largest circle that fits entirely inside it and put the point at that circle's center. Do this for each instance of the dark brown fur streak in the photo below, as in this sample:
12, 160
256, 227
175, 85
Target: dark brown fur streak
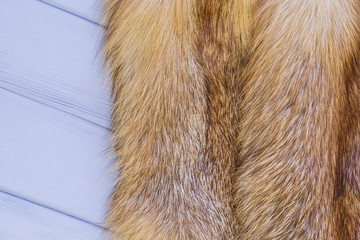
234, 119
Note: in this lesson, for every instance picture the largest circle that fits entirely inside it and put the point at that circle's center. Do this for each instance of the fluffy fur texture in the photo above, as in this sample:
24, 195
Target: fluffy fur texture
168, 61
235, 119
299, 122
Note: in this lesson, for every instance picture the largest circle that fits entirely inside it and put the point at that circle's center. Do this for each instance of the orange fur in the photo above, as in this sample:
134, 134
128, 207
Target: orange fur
235, 119
173, 143
293, 101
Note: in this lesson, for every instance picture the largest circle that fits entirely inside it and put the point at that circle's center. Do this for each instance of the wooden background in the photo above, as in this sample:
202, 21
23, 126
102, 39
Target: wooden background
55, 165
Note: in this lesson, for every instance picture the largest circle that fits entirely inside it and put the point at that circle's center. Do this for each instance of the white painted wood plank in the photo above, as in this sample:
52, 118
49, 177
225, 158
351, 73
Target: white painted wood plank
54, 158
87, 9
22, 220
52, 56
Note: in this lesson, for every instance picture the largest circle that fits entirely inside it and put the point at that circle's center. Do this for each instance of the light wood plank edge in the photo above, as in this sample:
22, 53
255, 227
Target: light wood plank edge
67, 110
98, 21
14, 205
19, 197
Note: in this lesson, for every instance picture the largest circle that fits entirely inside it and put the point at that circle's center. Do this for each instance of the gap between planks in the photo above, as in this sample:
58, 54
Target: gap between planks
73, 12
31, 98
52, 209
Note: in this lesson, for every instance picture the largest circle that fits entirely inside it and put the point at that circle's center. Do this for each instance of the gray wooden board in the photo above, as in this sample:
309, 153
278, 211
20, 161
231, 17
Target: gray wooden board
23, 220
54, 158
87, 9
52, 56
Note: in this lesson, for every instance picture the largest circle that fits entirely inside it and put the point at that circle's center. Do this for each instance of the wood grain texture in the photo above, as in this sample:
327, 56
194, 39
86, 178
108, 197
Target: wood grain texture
54, 158
52, 56
21, 219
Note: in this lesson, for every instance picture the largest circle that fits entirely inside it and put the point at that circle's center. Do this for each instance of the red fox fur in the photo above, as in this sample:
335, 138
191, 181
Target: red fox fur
235, 119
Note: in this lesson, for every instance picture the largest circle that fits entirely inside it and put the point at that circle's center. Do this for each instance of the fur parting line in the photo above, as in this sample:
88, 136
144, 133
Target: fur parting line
235, 119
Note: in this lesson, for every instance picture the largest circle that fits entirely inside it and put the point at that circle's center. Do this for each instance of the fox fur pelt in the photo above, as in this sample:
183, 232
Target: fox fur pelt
235, 119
